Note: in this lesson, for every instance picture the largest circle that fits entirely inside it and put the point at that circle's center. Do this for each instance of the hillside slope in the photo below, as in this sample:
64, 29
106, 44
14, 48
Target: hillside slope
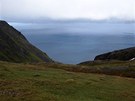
14, 47
123, 54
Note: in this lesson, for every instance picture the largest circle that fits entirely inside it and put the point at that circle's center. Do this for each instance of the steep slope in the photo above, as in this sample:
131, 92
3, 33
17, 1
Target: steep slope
123, 54
14, 47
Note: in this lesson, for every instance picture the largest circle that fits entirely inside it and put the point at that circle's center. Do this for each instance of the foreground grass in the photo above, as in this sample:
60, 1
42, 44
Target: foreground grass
25, 82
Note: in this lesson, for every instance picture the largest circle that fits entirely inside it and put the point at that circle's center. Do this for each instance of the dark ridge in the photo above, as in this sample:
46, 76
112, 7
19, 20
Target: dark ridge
123, 54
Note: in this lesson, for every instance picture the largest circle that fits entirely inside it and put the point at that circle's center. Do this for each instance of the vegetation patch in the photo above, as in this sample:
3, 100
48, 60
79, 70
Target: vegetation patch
48, 82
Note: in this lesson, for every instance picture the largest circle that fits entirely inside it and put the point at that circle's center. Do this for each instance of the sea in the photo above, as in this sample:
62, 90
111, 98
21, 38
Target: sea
74, 42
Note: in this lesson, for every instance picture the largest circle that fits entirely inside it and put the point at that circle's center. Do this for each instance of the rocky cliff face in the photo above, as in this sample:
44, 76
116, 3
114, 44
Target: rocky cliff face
123, 54
14, 47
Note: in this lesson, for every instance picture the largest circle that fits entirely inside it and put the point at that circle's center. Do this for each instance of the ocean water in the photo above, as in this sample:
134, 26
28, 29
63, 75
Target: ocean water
75, 42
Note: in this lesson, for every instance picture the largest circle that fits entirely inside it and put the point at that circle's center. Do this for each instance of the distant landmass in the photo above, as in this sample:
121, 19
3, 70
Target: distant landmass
123, 54
14, 47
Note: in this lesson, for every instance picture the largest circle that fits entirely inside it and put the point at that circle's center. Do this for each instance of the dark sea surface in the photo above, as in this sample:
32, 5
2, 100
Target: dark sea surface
75, 42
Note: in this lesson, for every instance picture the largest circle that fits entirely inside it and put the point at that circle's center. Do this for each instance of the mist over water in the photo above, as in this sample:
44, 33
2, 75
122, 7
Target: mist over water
75, 42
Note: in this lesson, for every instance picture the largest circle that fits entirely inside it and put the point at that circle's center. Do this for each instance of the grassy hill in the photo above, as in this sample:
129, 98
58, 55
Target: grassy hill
14, 47
45, 82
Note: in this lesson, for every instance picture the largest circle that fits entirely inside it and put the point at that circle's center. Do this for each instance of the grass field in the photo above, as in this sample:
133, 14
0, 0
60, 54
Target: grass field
26, 82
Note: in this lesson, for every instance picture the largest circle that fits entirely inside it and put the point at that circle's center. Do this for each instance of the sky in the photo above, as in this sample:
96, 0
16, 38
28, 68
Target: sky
17, 10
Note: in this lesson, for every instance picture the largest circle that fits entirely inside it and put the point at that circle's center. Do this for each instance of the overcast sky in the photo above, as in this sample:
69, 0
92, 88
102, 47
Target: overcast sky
66, 9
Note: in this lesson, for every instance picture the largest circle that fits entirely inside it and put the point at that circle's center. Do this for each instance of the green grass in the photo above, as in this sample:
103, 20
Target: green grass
45, 82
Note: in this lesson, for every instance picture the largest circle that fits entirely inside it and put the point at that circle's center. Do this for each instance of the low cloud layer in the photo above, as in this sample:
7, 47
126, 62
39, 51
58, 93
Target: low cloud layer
67, 9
